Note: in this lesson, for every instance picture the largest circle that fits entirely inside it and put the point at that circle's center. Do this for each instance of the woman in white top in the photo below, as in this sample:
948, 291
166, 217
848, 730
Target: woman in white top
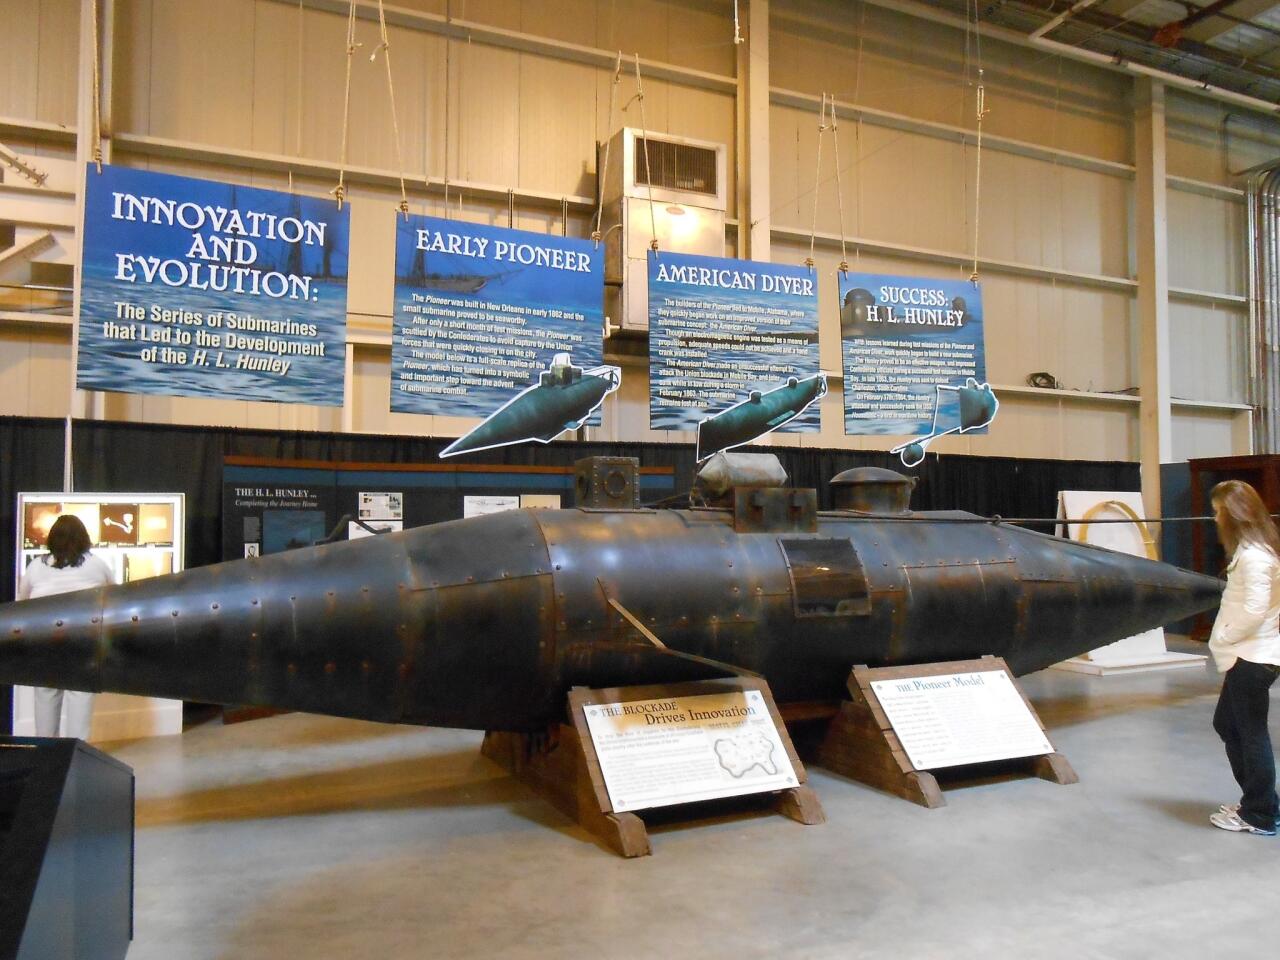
1245, 644
68, 566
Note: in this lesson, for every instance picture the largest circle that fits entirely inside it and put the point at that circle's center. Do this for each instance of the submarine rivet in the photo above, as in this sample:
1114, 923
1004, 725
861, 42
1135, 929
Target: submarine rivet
135, 618
57, 623
173, 613
255, 603
93, 619
17, 631
557, 566
215, 606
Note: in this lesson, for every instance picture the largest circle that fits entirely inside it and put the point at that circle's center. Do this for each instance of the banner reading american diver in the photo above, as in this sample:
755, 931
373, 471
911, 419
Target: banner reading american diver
727, 332
903, 338
482, 313
202, 289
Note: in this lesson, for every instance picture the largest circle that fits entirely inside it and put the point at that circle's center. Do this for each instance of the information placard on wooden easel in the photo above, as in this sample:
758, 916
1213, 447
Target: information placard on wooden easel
903, 722
681, 749
625, 749
946, 720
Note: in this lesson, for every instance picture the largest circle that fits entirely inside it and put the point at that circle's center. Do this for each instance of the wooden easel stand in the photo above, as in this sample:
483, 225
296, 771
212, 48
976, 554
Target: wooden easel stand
860, 742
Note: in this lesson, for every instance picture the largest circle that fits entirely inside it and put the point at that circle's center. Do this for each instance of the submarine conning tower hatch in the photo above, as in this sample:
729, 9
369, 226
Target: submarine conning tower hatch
872, 490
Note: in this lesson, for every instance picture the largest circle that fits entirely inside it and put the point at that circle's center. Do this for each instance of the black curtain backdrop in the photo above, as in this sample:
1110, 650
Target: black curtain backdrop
126, 457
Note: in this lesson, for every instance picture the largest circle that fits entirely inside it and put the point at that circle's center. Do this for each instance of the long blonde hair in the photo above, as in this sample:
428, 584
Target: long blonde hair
1242, 517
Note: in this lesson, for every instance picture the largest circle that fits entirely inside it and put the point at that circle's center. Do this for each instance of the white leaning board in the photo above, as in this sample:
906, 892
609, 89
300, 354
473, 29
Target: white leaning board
952, 719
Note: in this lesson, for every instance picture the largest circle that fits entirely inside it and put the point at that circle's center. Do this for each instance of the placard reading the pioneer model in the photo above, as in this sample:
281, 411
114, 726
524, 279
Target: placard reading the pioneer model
952, 719
655, 753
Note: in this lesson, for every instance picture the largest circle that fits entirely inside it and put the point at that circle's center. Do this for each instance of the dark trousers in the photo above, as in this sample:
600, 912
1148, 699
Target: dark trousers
1241, 722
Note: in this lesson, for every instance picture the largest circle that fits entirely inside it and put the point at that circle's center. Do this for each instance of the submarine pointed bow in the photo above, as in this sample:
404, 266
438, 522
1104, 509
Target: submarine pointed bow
1078, 597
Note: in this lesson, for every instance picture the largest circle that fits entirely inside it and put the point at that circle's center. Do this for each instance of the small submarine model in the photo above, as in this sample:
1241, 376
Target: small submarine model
563, 399
758, 414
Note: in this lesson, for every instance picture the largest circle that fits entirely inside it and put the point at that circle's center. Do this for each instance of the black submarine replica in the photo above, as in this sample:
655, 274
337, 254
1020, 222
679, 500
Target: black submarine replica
487, 622
759, 414
563, 399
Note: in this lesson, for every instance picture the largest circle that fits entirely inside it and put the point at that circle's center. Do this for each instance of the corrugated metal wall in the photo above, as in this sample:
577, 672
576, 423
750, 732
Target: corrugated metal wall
263, 79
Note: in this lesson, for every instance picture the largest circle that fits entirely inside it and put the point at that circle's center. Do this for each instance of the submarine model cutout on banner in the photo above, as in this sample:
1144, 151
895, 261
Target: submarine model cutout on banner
978, 407
487, 622
564, 398
759, 414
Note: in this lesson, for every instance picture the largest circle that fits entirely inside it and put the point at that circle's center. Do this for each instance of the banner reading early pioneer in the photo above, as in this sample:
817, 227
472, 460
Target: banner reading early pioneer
902, 339
204, 289
481, 312
724, 333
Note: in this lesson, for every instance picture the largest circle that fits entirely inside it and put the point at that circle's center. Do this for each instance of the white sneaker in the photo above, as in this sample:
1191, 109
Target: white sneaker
1234, 810
1231, 821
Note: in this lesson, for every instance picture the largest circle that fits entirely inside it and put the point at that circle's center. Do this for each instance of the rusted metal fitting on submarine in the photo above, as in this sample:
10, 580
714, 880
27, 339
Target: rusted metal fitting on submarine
872, 490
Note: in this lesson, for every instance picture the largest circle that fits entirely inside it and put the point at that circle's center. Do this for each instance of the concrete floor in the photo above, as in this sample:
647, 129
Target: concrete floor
301, 836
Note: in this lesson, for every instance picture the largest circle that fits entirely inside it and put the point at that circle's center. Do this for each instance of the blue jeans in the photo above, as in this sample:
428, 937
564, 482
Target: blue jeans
1241, 722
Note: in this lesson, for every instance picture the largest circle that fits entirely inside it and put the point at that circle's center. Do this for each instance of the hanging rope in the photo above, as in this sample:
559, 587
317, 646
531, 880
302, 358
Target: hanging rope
835, 142
648, 170
96, 140
385, 46
817, 172
297, 135
596, 235
981, 112
340, 191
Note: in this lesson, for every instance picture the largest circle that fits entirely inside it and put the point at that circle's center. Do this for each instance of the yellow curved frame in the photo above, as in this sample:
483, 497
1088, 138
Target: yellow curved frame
1143, 530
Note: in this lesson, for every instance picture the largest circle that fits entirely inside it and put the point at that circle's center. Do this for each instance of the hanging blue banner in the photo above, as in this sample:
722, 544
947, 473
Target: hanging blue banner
201, 289
483, 315
913, 349
733, 348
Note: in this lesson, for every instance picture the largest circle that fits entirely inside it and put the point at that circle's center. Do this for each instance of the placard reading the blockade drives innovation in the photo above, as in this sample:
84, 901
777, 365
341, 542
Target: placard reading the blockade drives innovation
720, 329
654, 753
902, 337
202, 289
481, 311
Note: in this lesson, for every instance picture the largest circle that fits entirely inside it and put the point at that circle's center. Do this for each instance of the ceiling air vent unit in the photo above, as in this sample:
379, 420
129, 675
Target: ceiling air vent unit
680, 166
661, 187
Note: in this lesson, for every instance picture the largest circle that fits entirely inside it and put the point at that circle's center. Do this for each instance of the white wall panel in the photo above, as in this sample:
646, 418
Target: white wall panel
1204, 434
1208, 347
39, 52
202, 71
1207, 243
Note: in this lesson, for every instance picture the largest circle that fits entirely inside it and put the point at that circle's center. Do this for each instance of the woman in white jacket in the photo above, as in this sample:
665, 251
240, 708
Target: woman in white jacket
68, 566
1245, 644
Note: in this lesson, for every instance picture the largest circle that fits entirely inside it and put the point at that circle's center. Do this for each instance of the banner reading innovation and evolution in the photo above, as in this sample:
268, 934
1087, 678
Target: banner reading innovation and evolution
909, 345
733, 348
204, 289
483, 314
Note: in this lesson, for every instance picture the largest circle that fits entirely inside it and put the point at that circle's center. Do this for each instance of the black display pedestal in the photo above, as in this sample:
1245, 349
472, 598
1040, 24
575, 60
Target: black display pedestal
66, 851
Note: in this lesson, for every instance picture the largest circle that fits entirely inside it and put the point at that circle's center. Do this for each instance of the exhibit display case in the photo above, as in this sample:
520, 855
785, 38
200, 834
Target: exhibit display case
138, 535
